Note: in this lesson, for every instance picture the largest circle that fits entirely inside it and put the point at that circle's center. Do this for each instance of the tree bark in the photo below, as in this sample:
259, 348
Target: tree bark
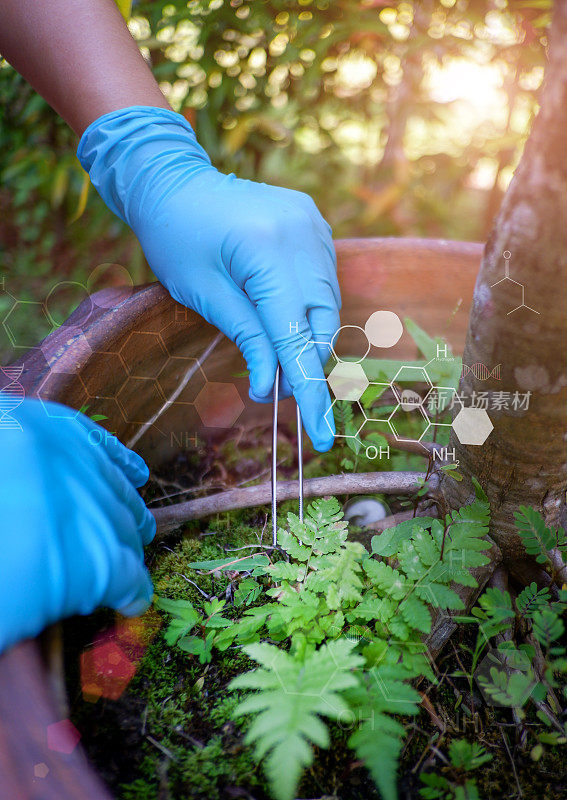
524, 460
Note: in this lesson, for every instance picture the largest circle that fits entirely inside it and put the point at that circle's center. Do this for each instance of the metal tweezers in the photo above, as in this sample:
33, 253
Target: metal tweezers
275, 459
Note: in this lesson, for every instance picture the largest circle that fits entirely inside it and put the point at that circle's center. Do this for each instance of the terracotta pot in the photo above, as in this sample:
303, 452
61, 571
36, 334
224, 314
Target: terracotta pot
124, 353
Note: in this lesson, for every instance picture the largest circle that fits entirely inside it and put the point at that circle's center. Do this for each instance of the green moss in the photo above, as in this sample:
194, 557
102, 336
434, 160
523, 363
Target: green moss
172, 734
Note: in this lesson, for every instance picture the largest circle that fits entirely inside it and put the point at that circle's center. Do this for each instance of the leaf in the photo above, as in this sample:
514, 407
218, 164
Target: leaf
467, 755
508, 690
125, 8
477, 513
344, 416
185, 617
548, 627
436, 787
426, 547
233, 564
415, 613
83, 197
478, 490
246, 592
496, 603
378, 744
378, 740
285, 571
387, 578
386, 543
292, 545
340, 578
410, 562
198, 647
440, 596
426, 345
289, 698
373, 607
531, 599
536, 536
246, 629
452, 472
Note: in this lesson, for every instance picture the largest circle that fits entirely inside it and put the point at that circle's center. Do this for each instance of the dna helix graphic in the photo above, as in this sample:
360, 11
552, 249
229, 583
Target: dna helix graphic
11, 396
481, 371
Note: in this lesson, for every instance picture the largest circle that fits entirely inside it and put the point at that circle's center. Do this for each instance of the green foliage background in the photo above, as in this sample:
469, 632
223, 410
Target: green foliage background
364, 104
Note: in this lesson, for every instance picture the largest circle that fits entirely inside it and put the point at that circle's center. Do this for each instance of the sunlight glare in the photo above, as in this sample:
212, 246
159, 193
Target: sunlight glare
479, 85
355, 72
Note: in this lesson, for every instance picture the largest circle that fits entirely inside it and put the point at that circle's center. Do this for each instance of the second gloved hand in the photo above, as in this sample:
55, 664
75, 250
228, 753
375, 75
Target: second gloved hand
256, 261
73, 525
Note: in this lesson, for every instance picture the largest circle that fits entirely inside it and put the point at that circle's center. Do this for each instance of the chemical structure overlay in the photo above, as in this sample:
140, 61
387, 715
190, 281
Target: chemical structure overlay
348, 382
507, 255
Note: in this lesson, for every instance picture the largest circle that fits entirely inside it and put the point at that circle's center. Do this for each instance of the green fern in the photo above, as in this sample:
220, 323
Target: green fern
464, 757
350, 625
344, 418
288, 700
508, 689
467, 755
536, 536
531, 599
378, 739
548, 626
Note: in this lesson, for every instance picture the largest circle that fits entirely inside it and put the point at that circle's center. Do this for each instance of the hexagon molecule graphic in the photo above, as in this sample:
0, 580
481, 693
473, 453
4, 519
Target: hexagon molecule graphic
15, 328
472, 426
62, 736
383, 328
106, 671
41, 770
219, 405
348, 381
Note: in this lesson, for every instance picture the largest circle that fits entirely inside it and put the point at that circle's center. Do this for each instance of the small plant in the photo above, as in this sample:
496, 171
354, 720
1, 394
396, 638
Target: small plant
336, 631
94, 417
517, 673
464, 757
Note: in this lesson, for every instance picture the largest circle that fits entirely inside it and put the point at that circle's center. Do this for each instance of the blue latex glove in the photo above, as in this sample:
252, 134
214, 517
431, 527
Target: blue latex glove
72, 523
252, 259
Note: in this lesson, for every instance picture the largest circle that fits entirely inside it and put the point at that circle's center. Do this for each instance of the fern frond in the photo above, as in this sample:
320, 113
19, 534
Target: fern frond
339, 578
378, 740
377, 743
439, 596
531, 599
477, 513
415, 613
344, 416
548, 626
387, 543
286, 571
410, 562
426, 546
511, 690
467, 755
497, 604
387, 578
289, 699
536, 536
290, 542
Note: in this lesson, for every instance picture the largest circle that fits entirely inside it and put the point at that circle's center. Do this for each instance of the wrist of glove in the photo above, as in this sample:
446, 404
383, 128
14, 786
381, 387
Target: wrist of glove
254, 260
73, 524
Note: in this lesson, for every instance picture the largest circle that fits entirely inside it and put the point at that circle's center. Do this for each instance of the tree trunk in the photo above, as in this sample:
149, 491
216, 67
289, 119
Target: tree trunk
524, 460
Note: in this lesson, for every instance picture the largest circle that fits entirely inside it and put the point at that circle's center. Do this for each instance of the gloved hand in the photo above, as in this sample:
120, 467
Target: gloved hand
254, 260
72, 524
